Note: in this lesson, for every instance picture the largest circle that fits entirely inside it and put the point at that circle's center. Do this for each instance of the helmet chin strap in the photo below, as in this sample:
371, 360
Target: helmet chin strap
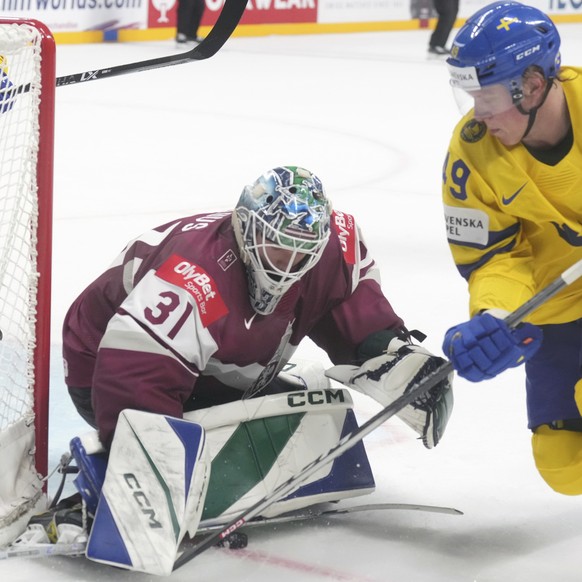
532, 113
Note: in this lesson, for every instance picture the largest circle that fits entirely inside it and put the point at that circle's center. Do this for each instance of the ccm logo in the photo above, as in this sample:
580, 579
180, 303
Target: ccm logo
315, 397
142, 500
528, 52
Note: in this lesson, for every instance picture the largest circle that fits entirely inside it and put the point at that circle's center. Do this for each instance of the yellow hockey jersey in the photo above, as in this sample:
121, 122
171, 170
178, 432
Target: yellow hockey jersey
513, 223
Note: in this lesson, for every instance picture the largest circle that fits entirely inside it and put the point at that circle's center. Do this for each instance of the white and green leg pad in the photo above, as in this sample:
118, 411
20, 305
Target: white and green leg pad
260, 443
154, 492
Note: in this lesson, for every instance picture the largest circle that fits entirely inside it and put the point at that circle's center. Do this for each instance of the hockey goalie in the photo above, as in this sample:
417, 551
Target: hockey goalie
179, 356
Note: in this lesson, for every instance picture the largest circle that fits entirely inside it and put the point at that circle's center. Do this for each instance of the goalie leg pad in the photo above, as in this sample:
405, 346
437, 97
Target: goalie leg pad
20, 487
153, 492
348, 475
260, 443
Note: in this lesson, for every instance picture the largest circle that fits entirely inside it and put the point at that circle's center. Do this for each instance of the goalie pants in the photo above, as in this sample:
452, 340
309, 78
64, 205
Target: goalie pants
554, 405
81, 398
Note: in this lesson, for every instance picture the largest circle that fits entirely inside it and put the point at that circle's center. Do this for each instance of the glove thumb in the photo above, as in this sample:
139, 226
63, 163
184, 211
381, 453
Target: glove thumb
342, 374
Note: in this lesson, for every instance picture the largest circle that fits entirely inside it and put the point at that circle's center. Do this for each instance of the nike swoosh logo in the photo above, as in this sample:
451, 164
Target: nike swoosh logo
572, 237
249, 322
511, 198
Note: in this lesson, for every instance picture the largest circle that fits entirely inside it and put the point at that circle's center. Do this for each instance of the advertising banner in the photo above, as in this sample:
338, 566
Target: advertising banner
552, 7
367, 10
267, 11
115, 15
80, 15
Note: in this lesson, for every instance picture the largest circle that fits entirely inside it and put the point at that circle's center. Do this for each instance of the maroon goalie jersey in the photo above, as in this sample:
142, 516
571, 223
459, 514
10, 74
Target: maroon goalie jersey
170, 321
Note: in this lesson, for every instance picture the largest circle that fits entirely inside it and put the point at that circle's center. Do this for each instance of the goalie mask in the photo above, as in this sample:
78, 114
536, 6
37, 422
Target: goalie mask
282, 224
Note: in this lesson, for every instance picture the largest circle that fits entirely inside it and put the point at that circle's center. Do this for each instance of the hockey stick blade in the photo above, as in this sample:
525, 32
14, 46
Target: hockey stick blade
314, 513
391, 506
348, 441
226, 23
77, 549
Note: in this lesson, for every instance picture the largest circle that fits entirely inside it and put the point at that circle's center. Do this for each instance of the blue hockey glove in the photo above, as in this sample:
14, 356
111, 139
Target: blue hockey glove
485, 346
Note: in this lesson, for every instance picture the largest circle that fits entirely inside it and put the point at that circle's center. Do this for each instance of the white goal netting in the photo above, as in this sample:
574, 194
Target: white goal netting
21, 59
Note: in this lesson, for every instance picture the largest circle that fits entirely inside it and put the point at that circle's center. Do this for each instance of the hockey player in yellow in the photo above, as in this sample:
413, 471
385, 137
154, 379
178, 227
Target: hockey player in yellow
512, 190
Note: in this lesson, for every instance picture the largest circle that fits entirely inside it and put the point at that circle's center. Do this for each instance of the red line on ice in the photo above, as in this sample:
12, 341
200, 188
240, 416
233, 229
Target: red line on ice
303, 567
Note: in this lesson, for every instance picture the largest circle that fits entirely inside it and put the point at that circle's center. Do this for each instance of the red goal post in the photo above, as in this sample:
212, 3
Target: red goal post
27, 60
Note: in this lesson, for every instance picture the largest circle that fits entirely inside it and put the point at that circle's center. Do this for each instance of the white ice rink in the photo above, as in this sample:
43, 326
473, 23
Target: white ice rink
372, 116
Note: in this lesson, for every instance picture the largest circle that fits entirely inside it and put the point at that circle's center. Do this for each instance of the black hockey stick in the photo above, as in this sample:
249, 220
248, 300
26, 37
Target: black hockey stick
227, 21
428, 382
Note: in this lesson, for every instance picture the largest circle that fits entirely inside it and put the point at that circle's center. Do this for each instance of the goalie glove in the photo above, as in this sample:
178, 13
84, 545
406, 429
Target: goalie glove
392, 374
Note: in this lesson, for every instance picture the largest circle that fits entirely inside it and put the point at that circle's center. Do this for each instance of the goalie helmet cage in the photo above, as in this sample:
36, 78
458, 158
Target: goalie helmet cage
27, 56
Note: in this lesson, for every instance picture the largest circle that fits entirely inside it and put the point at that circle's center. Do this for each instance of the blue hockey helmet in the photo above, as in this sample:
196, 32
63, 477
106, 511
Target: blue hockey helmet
499, 43
286, 210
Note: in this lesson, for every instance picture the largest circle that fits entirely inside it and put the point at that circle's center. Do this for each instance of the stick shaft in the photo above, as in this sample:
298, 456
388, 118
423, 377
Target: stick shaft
226, 23
566, 278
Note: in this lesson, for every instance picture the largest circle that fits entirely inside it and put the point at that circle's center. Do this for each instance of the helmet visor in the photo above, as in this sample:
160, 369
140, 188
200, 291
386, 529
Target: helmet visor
486, 100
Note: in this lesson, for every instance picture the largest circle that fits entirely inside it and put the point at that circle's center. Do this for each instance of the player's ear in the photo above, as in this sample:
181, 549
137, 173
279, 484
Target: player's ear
534, 84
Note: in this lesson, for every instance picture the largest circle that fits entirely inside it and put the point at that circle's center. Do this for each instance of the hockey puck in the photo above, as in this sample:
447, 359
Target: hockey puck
235, 541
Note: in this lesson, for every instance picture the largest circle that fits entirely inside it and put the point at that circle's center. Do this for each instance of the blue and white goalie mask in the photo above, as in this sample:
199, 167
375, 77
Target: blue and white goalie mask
282, 224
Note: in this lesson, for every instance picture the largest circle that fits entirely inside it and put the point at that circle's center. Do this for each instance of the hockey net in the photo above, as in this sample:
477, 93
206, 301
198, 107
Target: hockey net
27, 86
